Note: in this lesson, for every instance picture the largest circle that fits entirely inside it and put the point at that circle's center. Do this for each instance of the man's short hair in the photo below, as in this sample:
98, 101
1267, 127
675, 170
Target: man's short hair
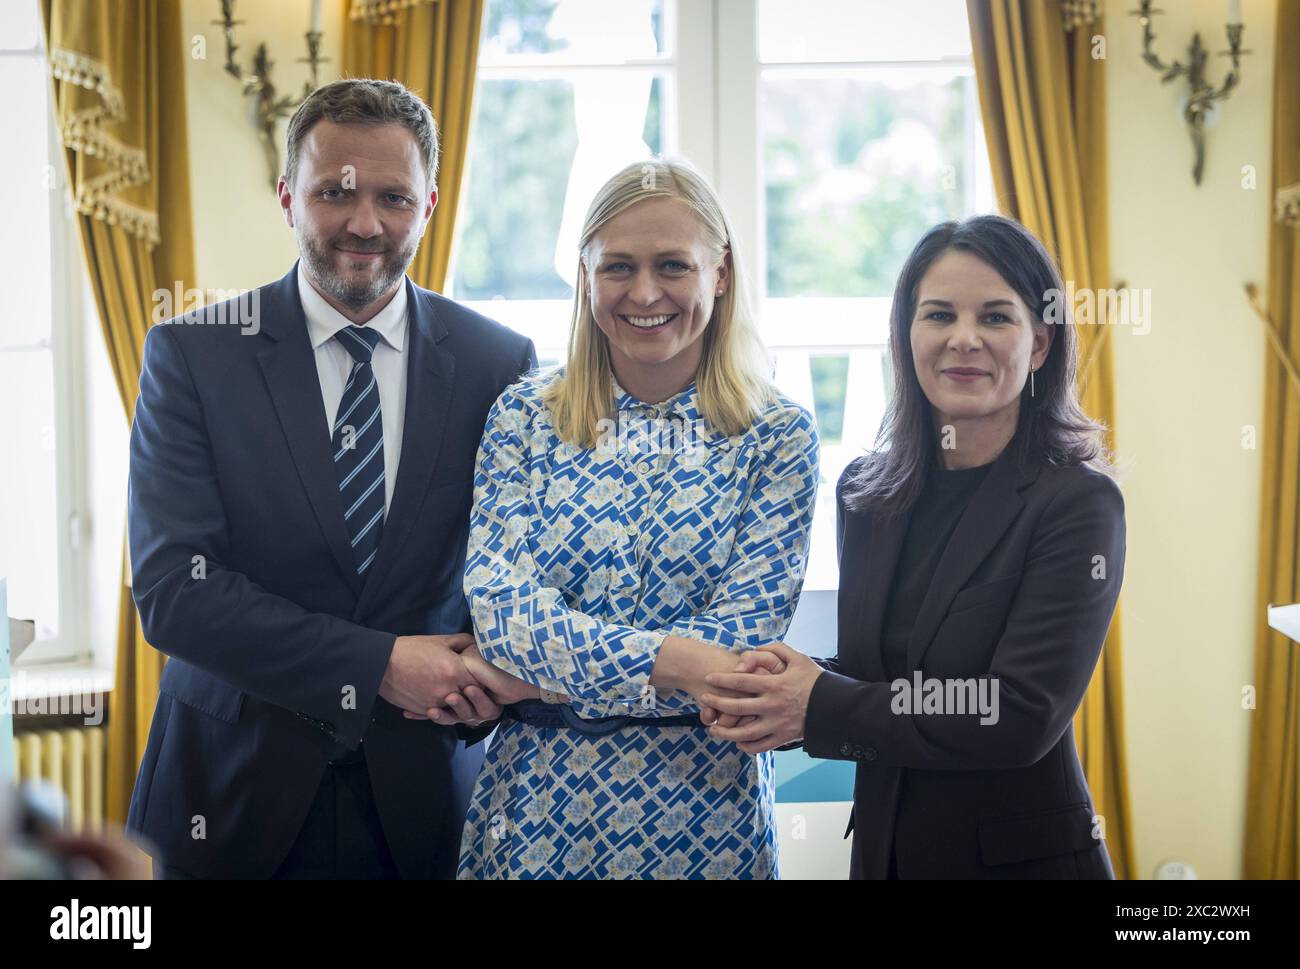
364, 100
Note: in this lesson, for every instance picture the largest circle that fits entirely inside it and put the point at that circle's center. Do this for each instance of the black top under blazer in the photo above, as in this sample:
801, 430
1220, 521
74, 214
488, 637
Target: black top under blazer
1024, 592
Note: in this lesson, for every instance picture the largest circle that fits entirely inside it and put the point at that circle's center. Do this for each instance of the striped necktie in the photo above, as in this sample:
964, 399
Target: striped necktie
359, 448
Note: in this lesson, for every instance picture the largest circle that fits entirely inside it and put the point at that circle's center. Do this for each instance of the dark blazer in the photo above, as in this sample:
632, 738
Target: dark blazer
243, 575
1017, 596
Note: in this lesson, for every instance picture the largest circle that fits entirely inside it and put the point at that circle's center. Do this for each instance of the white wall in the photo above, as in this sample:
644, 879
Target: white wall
240, 238
1185, 390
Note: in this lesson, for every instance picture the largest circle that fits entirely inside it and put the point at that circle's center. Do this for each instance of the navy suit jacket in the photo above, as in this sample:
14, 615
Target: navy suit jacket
1024, 594
243, 575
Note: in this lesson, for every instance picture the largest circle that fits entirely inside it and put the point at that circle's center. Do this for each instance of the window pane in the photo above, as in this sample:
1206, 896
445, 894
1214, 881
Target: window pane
29, 180
29, 535
539, 151
590, 31
830, 380
523, 142
20, 26
803, 31
858, 163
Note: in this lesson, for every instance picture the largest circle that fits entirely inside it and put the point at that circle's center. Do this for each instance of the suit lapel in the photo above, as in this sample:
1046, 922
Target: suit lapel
992, 509
289, 366
429, 375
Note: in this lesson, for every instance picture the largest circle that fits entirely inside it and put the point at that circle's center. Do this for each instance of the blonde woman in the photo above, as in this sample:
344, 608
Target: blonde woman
641, 515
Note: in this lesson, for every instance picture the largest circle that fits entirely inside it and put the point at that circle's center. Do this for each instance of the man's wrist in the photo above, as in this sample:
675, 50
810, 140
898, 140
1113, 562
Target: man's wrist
388, 663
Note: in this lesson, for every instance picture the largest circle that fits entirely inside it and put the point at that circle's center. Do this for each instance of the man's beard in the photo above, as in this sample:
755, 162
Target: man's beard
354, 295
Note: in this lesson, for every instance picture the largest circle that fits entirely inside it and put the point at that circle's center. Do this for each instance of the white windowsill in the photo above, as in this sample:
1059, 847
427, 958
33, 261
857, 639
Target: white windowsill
48, 680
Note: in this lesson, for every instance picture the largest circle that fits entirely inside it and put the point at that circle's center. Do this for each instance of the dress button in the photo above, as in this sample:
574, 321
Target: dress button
869, 753
845, 749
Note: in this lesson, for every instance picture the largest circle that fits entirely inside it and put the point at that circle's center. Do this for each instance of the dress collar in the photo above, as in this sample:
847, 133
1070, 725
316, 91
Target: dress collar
683, 404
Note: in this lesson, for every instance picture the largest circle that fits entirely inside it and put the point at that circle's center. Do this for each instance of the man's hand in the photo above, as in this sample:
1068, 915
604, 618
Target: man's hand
424, 671
500, 688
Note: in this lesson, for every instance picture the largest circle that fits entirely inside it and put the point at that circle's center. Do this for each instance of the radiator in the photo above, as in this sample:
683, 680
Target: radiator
72, 759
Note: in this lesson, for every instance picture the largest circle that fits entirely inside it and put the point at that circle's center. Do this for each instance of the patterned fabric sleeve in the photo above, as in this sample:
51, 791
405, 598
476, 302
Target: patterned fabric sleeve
755, 600
522, 626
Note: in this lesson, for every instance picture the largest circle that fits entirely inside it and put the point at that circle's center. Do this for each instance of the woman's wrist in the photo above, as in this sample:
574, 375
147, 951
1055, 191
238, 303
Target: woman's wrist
682, 664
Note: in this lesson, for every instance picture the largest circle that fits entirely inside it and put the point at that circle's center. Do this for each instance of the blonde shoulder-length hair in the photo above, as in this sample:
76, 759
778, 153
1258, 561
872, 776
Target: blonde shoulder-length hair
733, 380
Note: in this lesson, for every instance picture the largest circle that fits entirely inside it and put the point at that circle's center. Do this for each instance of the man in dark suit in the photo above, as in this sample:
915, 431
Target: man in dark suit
299, 497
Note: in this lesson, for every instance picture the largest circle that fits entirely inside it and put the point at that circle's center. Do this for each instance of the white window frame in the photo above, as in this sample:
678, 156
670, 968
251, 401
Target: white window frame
712, 54
546, 321
800, 327
72, 645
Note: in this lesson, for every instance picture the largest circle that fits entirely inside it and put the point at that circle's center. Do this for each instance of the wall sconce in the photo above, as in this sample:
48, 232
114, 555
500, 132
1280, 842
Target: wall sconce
269, 108
1202, 95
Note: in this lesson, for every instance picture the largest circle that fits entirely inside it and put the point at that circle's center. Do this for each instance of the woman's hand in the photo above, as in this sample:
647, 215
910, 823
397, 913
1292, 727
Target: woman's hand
503, 687
751, 661
682, 665
776, 703
698, 661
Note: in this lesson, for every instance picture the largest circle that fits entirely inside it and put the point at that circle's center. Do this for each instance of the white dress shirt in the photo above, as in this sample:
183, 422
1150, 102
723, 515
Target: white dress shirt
333, 364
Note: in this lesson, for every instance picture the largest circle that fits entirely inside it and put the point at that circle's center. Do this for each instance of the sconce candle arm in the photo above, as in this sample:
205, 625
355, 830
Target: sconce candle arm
269, 108
1201, 95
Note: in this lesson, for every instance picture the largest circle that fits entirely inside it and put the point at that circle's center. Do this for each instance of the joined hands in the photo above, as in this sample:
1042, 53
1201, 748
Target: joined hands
446, 680
763, 702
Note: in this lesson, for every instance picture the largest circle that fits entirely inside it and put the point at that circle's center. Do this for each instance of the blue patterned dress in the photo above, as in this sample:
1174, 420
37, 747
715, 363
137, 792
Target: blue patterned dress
580, 562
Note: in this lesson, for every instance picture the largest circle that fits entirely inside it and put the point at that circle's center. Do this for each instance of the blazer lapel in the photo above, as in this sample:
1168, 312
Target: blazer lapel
429, 375
992, 509
294, 384
878, 558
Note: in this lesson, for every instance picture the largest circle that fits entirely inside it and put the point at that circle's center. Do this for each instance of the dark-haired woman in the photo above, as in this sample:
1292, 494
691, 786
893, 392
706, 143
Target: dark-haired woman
981, 554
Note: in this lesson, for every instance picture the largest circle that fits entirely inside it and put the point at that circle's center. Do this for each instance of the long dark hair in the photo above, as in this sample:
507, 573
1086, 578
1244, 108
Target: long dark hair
1052, 426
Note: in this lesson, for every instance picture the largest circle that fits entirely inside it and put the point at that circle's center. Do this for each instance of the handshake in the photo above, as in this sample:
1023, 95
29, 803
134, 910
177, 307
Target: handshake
446, 680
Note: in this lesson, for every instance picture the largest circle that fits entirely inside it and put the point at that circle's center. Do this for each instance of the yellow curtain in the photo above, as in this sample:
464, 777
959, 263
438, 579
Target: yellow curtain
119, 98
431, 46
1272, 849
1042, 96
